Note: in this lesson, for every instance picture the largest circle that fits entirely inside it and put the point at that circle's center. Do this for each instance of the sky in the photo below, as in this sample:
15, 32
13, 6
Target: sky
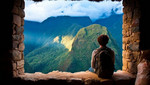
39, 11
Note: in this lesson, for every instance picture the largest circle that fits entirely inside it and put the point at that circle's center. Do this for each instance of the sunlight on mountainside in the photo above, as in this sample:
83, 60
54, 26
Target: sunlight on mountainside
56, 39
67, 41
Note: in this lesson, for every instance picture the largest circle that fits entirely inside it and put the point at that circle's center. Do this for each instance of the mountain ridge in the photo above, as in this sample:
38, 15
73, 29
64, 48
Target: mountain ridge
42, 39
55, 58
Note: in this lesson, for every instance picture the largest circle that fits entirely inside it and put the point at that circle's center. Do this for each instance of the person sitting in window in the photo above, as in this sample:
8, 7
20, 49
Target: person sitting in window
103, 58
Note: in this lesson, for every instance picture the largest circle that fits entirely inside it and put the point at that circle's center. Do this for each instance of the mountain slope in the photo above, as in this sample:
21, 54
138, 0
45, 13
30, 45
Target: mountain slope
58, 57
85, 42
114, 25
46, 59
38, 34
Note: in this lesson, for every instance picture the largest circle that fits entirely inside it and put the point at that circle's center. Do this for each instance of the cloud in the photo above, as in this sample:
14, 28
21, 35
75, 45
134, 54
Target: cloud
95, 10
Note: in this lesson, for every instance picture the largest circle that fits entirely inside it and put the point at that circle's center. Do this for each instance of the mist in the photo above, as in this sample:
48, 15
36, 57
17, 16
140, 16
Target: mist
95, 10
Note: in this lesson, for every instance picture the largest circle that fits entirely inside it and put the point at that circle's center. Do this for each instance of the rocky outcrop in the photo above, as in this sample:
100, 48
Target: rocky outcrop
143, 75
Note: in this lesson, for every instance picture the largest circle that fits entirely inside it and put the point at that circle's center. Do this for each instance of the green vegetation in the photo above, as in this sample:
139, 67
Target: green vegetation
57, 57
85, 42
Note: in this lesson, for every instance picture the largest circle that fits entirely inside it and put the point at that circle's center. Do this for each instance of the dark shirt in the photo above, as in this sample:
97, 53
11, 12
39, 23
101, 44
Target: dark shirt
111, 52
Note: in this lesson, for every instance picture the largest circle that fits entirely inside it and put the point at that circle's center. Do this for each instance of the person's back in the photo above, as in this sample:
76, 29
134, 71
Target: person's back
103, 59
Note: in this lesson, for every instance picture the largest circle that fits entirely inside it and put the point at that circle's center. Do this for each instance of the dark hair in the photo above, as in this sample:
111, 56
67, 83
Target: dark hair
103, 39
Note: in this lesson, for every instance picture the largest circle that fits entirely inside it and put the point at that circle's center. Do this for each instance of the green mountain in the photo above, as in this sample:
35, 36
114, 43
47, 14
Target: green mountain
46, 59
71, 53
38, 34
85, 42
114, 25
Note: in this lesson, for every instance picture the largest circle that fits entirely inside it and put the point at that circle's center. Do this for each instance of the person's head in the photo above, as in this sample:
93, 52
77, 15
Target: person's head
103, 40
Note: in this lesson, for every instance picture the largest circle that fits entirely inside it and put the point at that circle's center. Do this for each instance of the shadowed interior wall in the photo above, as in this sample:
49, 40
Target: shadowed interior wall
12, 59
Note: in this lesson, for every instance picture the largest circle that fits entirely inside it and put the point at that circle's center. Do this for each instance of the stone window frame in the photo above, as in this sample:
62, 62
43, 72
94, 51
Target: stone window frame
130, 33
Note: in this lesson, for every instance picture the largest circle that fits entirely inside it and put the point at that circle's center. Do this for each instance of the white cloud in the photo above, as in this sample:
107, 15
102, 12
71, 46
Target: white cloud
95, 10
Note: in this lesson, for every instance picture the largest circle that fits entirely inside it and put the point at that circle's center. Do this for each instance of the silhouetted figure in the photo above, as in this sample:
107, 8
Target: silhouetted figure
103, 58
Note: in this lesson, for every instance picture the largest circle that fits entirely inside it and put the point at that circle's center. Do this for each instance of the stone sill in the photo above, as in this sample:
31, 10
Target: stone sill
78, 78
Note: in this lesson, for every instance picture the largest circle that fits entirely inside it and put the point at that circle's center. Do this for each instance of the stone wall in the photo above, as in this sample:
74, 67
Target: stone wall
17, 55
131, 35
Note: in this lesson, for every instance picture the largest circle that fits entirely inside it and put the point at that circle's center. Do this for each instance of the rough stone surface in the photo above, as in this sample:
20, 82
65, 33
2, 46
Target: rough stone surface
16, 55
18, 46
131, 35
15, 44
20, 64
21, 47
143, 77
80, 78
17, 20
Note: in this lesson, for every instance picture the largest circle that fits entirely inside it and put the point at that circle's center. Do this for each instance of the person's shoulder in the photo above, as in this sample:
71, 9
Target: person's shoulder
110, 49
96, 50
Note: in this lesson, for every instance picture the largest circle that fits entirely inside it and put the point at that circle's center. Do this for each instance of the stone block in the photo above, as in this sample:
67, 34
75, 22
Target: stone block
135, 22
124, 18
21, 47
22, 21
126, 32
21, 13
17, 3
129, 15
133, 46
15, 10
22, 54
123, 78
135, 36
19, 30
15, 73
20, 64
123, 47
16, 55
127, 54
16, 37
22, 38
15, 44
125, 64
17, 20
136, 55
132, 67
21, 71
14, 65
22, 4
126, 40
143, 75
124, 10
137, 13
135, 29
125, 25
14, 29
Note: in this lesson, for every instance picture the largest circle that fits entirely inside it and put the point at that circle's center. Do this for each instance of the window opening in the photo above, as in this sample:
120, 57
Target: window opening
61, 35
